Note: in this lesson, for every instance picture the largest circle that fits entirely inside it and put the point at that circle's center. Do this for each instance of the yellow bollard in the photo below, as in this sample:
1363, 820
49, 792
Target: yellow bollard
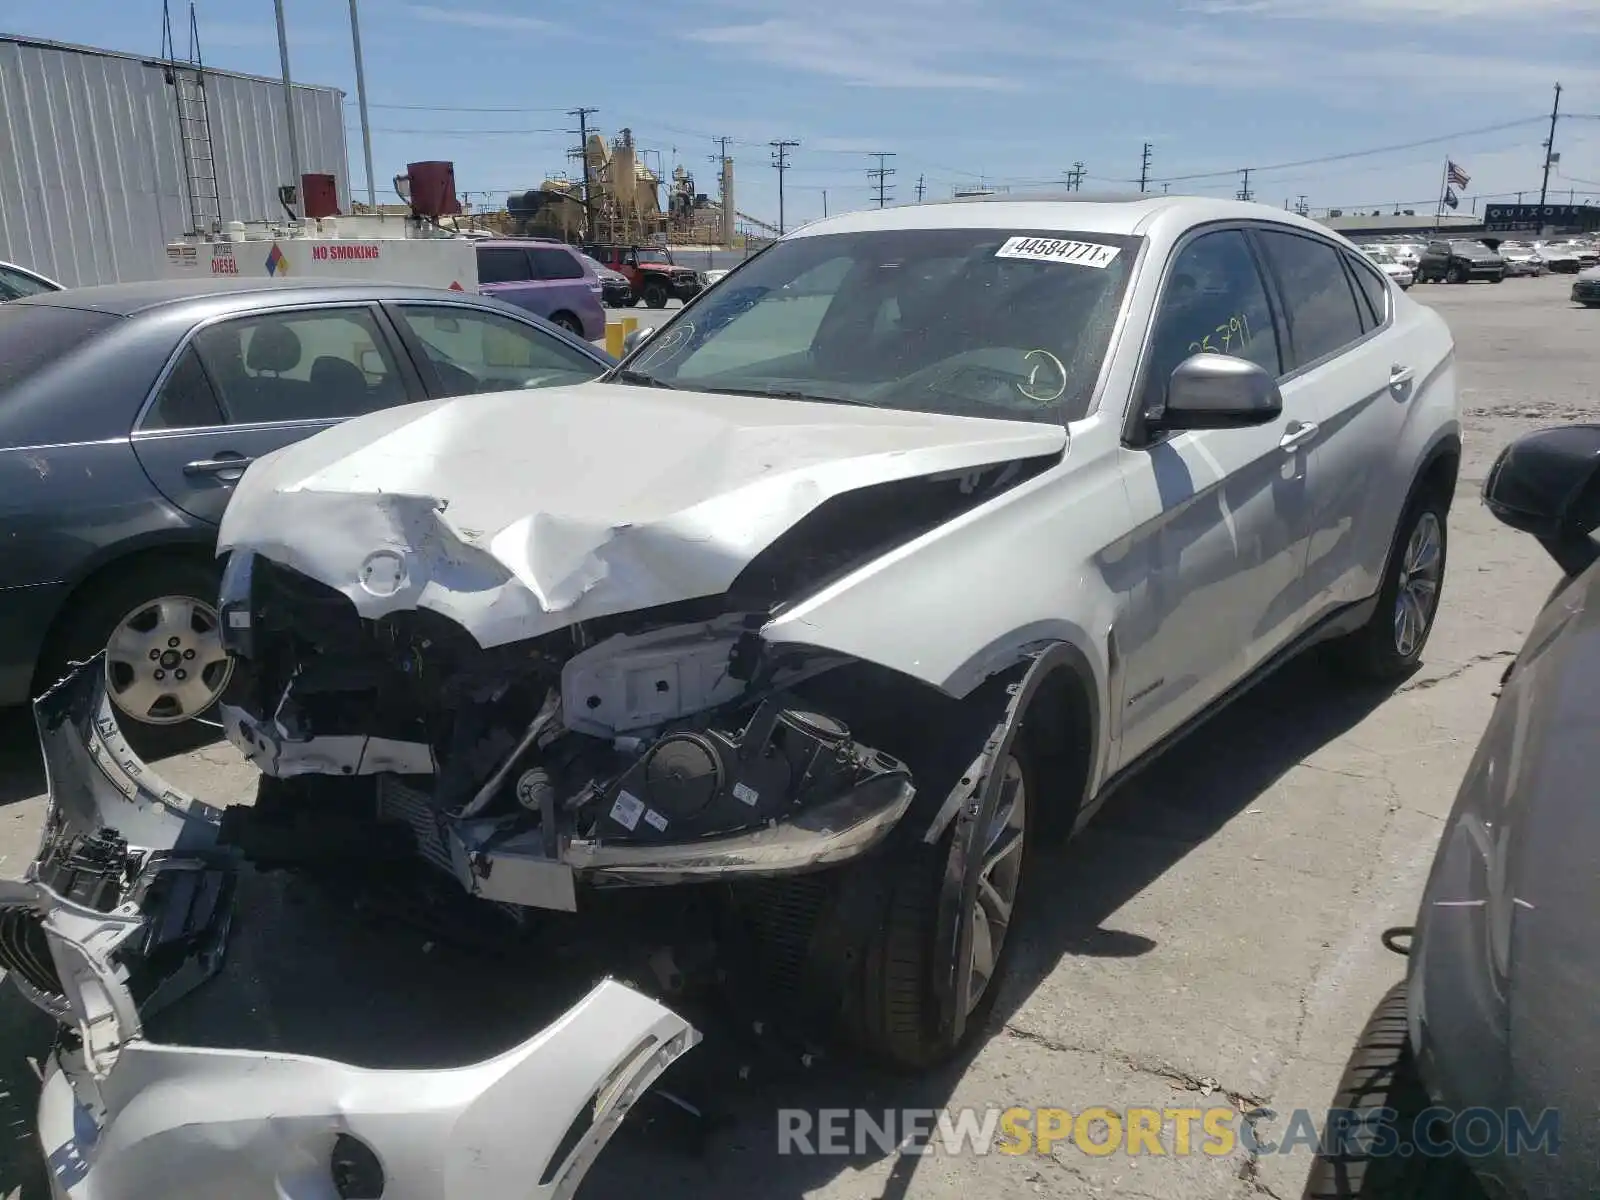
614, 335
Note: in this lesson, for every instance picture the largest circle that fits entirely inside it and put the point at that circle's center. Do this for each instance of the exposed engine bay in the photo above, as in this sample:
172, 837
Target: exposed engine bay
666, 745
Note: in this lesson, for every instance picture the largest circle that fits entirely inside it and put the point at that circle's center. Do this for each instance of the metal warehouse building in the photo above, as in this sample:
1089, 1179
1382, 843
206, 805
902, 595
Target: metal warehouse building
92, 165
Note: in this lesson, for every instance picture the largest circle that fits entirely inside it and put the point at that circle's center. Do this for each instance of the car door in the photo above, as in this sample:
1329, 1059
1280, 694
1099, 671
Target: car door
506, 273
244, 386
1220, 515
1353, 369
460, 350
1359, 480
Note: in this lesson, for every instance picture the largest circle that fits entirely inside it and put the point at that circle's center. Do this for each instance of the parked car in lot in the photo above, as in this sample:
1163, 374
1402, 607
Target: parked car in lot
1459, 262
17, 282
1586, 288
1521, 259
546, 277
655, 277
615, 290
1561, 258
1391, 266
1493, 1024
128, 414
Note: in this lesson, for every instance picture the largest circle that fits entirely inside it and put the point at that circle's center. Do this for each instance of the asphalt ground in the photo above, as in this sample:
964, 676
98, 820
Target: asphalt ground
1211, 940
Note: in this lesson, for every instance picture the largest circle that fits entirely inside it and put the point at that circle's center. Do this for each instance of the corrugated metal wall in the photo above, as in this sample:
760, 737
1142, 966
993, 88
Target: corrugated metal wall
91, 168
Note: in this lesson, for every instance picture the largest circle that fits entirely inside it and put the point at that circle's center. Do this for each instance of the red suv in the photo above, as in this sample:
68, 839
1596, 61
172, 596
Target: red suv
650, 269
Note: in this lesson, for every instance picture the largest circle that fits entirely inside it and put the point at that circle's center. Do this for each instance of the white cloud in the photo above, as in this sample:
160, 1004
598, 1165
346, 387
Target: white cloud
505, 22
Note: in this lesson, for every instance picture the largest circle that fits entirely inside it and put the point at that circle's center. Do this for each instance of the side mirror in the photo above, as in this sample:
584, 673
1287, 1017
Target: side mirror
1547, 483
1218, 391
635, 339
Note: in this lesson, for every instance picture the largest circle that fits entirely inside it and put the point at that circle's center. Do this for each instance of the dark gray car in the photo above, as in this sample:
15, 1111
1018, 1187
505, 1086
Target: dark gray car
128, 413
1485, 1057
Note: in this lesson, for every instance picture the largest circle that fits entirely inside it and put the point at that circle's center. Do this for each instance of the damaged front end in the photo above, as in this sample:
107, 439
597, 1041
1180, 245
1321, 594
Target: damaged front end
662, 747
128, 905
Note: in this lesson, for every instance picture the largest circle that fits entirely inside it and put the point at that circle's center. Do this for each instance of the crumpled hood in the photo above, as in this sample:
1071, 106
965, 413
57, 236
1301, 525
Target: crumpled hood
518, 513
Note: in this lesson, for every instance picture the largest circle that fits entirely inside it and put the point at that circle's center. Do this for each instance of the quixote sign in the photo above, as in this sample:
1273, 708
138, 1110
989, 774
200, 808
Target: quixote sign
1535, 216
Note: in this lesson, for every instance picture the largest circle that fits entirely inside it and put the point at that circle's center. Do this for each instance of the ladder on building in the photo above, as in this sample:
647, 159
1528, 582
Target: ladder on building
187, 77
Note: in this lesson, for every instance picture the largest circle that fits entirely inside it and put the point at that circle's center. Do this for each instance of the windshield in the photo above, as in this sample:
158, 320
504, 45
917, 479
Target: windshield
654, 254
1380, 256
978, 322
595, 266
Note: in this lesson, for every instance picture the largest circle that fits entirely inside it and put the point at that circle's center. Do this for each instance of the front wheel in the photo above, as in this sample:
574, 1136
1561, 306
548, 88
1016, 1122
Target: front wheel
900, 1017
1390, 644
1460, 274
655, 294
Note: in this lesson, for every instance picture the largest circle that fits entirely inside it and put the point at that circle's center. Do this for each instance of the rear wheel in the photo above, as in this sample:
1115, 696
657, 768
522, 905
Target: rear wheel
655, 293
1383, 1074
900, 1021
568, 322
1390, 644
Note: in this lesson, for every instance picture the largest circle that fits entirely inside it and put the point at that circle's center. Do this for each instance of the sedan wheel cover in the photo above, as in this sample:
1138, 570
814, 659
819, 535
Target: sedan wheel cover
998, 879
1418, 593
165, 662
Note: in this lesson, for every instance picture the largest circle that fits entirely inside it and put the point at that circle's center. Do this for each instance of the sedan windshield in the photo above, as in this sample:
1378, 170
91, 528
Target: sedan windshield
977, 322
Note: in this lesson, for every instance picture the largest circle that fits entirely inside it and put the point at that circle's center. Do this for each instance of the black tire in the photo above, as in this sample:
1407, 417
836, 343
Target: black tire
1373, 652
899, 1023
1382, 1073
96, 610
568, 322
1497, 279
1460, 274
655, 293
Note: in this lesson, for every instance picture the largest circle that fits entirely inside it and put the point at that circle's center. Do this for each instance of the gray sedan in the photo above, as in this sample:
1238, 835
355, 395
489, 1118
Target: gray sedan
128, 413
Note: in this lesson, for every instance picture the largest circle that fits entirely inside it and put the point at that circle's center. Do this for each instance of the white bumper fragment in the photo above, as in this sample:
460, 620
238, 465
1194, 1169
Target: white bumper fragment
127, 906
182, 1123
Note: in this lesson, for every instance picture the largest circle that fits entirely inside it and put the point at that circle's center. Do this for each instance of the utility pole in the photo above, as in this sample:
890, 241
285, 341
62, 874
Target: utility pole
921, 187
1075, 177
824, 202
1244, 192
1144, 170
880, 175
780, 159
288, 109
1550, 155
361, 95
583, 115
720, 158
1303, 208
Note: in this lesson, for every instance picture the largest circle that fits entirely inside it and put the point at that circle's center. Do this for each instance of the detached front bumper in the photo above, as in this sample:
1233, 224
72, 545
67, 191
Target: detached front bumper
128, 905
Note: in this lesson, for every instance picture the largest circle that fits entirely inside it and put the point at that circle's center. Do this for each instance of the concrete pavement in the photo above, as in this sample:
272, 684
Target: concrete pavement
1213, 938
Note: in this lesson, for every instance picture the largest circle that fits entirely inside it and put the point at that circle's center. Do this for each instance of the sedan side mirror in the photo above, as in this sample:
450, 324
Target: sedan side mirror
635, 338
1547, 483
1218, 391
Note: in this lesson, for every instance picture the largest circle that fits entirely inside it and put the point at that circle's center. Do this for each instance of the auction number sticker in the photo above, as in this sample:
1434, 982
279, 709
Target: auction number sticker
1079, 254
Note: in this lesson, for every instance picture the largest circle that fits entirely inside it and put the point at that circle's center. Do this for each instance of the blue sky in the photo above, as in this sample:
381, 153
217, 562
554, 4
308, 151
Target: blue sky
1007, 91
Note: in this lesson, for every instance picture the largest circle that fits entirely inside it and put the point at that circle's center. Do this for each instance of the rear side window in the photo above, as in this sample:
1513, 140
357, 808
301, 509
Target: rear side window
186, 400
1319, 303
556, 264
1374, 292
497, 264
33, 336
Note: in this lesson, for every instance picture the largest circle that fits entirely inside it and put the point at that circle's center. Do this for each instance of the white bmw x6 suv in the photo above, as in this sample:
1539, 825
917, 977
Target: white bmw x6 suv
859, 575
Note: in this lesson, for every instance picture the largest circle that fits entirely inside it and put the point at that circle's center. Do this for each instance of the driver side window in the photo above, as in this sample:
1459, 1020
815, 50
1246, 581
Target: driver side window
1213, 302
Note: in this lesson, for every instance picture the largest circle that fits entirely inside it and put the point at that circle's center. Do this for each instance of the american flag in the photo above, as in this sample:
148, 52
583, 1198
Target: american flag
1456, 176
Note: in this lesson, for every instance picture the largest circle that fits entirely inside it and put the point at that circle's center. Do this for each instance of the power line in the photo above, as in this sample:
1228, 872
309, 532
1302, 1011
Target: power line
880, 175
1345, 157
780, 160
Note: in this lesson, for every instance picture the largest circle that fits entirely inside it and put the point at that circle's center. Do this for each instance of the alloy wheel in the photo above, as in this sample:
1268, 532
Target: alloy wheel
999, 878
1418, 593
165, 662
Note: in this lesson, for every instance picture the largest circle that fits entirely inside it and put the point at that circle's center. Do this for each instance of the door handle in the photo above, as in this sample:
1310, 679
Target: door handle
220, 465
1399, 375
1297, 437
